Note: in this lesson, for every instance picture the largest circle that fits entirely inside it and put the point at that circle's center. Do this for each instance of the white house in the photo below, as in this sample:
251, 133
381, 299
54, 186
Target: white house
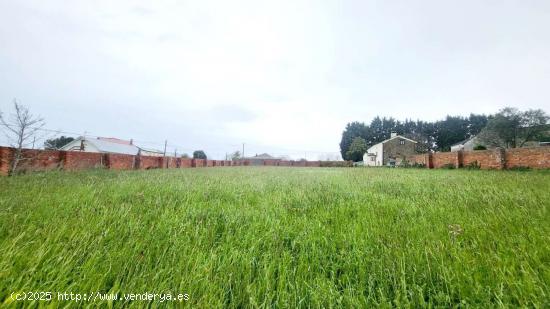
374, 155
393, 150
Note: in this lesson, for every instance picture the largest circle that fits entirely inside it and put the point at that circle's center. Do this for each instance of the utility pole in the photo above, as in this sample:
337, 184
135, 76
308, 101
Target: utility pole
175, 152
243, 151
164, 154
33, 140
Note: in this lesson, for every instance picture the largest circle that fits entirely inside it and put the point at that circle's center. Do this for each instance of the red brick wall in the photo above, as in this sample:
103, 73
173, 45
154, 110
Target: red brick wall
184, 163
419, 159
271, 162
148, 162
199, 162
170, 162
486, 159
528, 157
40, 160
6, 155
120, 161
313, 163
76, 160
441, 159
163, 162
335, 163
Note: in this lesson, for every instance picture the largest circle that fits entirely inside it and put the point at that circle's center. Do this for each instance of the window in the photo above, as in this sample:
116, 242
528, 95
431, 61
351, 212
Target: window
402, 142
372, 158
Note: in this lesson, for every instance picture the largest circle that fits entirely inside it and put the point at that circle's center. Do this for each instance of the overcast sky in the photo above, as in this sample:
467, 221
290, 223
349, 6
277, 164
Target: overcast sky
281, 76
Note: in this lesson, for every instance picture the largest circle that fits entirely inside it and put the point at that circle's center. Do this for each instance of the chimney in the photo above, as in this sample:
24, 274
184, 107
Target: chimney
393, 134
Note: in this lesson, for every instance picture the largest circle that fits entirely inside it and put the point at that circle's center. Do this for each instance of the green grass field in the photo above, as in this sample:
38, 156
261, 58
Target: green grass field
280, 237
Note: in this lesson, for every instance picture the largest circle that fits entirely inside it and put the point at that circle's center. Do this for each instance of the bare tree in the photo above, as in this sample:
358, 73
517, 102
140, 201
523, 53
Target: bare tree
22, 129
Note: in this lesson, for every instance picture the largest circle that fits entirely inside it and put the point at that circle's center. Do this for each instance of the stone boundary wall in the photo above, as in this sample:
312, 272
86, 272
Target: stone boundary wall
537, 158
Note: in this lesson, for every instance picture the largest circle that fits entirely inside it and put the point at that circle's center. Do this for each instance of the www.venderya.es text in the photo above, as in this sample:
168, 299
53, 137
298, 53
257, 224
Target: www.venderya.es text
98, 296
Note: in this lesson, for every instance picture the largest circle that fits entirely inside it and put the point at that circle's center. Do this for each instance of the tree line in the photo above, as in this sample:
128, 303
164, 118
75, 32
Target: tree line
508, 128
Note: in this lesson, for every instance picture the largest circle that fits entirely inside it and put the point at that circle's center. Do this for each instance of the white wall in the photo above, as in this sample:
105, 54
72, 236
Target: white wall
378, 150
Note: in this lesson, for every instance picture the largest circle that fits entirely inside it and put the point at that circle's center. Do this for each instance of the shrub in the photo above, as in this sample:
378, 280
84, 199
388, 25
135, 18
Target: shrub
336, 163
473, 166
480, 147
448, 166
520, 168
407, 164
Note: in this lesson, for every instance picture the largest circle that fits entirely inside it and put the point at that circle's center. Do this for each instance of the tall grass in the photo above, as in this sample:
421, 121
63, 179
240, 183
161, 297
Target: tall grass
281, 237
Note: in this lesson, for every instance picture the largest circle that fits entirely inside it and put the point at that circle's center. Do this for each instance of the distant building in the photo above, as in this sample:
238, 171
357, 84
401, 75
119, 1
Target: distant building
151, 152
390, 152
467, 144
259, 159
108, 145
